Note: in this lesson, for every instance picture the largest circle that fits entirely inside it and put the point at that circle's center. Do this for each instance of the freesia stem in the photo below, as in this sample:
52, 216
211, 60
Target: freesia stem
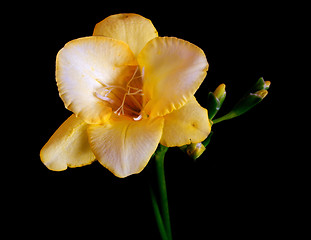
225, 117
159, 160
158, 215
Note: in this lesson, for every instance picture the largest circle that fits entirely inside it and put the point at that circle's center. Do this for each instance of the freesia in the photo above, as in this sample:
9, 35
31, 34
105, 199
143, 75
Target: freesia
129, 90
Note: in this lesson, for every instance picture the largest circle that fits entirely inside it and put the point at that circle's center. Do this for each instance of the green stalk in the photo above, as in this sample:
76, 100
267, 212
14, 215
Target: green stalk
158, 217
159, 160
225, 117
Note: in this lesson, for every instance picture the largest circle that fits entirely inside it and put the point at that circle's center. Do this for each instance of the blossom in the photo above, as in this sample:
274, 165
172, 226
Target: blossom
129, 90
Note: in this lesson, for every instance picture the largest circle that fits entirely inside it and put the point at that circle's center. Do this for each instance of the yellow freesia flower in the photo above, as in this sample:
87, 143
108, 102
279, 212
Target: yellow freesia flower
129, 90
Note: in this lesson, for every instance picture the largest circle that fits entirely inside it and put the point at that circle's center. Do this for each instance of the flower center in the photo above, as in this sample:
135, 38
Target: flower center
124, 100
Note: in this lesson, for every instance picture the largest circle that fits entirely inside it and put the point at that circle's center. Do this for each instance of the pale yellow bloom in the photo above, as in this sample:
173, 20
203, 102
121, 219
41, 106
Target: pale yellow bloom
129, 90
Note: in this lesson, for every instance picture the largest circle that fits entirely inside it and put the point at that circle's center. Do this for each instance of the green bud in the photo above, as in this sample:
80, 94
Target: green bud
195, 150
213, 105
215, 100
249, 102
262, 94
220, 93
252, 98
261, 84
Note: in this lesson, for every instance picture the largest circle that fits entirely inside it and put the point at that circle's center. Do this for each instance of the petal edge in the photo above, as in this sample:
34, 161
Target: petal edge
173, 71
189, 124
131, 28
85, 66
125, 146
68, 146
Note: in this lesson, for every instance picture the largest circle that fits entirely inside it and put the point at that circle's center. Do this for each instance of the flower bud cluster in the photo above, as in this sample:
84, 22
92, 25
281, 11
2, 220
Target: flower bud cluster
215, 100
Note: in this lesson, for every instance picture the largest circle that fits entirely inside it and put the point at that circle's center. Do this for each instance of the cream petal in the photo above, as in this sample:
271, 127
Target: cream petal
125, 146
189, 124
85, 66
131, 28
173, 71
68, 146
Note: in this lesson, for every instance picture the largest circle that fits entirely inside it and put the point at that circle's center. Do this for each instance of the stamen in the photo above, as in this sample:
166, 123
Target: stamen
138, 118
120, 109
135, 101
143, 72
134, 93
114, 86
132, 78
131, 107
104, 98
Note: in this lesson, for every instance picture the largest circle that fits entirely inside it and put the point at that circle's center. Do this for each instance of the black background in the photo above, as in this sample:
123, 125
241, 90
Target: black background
236, 188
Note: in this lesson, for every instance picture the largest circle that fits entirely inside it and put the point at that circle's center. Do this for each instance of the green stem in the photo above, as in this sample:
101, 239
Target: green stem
159, 160
158, 215
225, 117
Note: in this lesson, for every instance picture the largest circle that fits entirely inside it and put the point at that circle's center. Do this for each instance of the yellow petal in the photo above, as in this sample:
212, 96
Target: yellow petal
125, 146
189, 124
173, 71
87, 65
68, 146
133, 29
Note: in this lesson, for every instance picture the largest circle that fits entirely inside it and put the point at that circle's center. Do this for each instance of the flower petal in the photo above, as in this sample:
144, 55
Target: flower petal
173, 71
133, 29
68, 146
85, 66
125, 146
189, 124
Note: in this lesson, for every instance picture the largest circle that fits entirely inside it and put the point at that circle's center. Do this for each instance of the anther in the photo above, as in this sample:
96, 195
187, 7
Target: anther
104, 98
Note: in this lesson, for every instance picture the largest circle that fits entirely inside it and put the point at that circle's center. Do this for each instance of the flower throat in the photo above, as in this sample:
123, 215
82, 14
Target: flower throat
124, 100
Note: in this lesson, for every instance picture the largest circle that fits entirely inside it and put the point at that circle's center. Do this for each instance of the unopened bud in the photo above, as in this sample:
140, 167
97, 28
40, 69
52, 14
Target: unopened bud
215, 100
252, 98
249, 102
220, 93
261, 94
261, 84
195, 150
267, 85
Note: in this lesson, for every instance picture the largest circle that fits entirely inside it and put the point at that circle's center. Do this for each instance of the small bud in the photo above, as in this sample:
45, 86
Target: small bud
195, 150
267, 85
220, 93
261, 84
212, 105
252, 98
249, 102
262, 94
215, 100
